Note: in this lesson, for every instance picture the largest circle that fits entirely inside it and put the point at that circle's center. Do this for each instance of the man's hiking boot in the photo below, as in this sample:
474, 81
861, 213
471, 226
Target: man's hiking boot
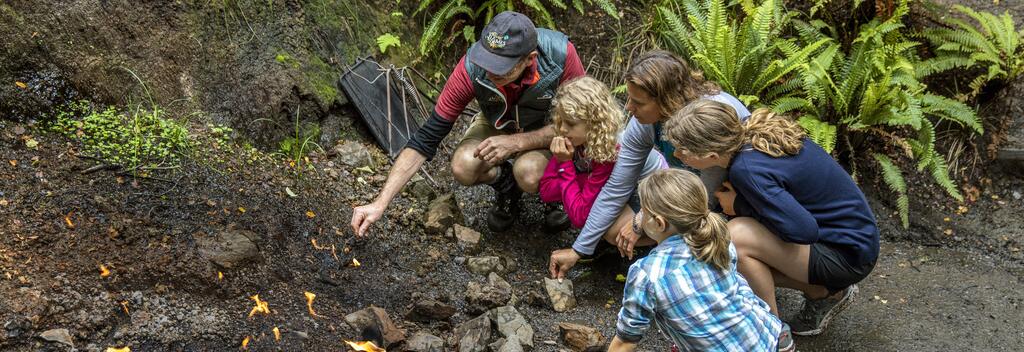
786, 343
555, 220
816, 313
506, 202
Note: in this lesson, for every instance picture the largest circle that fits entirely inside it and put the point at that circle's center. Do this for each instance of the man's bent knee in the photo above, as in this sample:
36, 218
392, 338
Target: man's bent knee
528, 170
466, 168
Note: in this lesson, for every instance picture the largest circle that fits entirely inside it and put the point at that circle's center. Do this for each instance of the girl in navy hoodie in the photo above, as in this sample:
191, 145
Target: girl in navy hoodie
801, 222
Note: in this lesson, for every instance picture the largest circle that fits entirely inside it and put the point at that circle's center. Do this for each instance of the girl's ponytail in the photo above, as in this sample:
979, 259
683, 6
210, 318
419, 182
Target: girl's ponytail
709, 241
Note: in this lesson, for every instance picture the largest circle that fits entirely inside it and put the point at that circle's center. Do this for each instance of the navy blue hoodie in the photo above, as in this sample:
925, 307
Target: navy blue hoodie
805, 198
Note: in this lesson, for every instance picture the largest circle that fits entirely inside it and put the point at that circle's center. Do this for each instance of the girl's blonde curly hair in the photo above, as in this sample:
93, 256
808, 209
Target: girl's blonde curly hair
707, 126
587, 100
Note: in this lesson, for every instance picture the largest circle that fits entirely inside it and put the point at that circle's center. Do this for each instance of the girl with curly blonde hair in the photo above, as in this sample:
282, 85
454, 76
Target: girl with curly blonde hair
801, 222
587, 122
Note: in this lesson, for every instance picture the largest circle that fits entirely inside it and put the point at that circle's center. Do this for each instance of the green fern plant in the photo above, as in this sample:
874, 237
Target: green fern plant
994, 44
893, 177
483, 13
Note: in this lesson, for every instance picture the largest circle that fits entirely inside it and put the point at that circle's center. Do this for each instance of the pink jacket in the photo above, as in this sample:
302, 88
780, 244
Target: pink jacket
560, 183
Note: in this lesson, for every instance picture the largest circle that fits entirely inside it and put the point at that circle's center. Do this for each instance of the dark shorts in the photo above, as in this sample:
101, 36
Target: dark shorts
829, 267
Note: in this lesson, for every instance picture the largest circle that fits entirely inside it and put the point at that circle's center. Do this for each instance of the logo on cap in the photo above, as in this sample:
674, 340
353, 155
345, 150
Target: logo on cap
496, 41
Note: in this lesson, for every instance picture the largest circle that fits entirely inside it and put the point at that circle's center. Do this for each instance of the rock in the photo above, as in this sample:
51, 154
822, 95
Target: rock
353, 154
1016, 195
229, 248
460, 260
506, 345
301, 334
580, 337
428, 310
58, 335
496, 345
536, 299
442, 214
489, 264
560, 293
473, 335
481, 298
512, 325
376, 317
424, 342
421, 189
468, 239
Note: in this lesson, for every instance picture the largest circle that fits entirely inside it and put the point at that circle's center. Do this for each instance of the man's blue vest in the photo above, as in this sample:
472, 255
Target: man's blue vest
534, 105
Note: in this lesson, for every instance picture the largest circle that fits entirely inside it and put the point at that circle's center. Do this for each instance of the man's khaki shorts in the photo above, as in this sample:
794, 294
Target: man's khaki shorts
481, 128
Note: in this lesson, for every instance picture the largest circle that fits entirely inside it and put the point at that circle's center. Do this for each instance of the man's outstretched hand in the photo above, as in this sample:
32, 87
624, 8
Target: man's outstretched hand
561, 261
364, 216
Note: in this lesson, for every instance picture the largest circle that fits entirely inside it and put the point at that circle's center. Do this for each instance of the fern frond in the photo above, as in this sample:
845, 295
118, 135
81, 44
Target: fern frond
822, 133
940, 172
893, 178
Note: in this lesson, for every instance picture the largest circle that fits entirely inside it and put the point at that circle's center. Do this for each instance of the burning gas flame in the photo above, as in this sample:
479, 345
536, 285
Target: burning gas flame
365, 346
245, 343
122, 349
261, 306
104, 272
277, 334
309, 303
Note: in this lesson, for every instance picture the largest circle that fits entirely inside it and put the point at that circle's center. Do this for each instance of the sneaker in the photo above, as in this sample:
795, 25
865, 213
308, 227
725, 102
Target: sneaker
786, 343
506, 203
555, 220
816, 313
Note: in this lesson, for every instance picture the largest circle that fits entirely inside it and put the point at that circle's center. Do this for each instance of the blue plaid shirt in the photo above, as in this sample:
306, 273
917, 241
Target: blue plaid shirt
697, 306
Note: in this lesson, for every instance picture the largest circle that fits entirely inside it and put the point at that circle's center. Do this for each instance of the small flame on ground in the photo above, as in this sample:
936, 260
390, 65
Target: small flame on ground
67, 220
277, 334
245, 343
309, 303
355, 263
104, 272
365, 346
122, 349
261, 306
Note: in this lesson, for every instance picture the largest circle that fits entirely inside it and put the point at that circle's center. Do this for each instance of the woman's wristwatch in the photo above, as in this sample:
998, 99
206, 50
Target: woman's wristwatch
637, 229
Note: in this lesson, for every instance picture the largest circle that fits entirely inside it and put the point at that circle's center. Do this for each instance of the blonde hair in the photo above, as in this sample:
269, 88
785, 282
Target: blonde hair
589, 101
669, 80
679, 197
707, 126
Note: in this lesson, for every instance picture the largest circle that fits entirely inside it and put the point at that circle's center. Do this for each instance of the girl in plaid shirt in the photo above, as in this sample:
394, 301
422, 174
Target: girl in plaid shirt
688, 285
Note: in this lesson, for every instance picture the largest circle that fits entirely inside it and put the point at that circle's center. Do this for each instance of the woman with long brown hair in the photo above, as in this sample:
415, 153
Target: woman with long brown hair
658, 84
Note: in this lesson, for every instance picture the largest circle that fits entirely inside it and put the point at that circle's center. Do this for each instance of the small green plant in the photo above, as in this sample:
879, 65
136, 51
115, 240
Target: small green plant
298, 146
433, 33
136, 140
994, 45
386, 41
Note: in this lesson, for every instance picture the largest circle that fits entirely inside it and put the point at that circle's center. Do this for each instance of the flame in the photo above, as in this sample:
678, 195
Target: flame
122, 349
104, 272
365, 346
355, 263
261, 306
277, 334
309, 303
245, 343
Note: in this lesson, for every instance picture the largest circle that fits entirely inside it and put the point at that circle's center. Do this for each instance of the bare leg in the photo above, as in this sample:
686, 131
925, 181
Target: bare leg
469, 170
528, 169
762, 253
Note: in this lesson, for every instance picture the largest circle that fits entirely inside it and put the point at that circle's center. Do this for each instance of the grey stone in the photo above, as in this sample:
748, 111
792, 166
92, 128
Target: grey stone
442, 214
353, 154
483, 297
469, 239
421, 189
474, 334
496, 345
230, 248
489, 264
58, 335
512, 325
424, 342
560, 293
580, 337
429, 310
376, 317
511, 345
